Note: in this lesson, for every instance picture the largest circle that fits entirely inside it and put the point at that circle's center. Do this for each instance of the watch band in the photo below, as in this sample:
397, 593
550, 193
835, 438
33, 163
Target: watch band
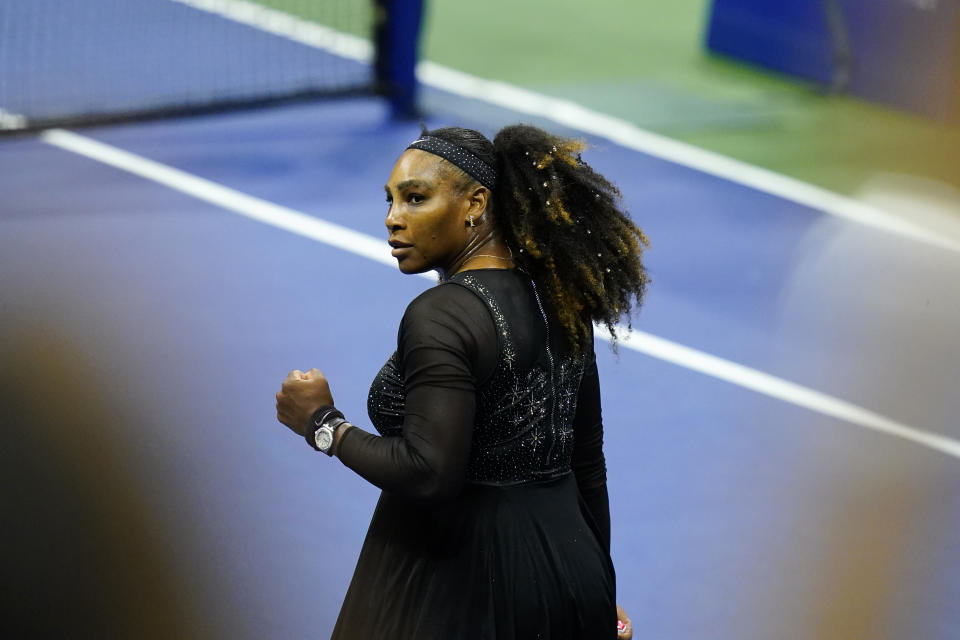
319, 418
330, 427
322, 414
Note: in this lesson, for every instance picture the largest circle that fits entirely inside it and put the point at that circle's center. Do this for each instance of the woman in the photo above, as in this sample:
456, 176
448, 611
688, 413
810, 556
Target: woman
493, 521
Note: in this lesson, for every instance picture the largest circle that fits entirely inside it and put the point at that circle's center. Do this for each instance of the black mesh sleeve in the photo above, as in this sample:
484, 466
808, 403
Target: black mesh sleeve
446, 346
588, 463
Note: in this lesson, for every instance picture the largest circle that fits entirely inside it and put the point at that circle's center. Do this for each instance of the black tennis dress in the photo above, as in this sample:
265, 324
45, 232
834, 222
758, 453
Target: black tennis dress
493, 521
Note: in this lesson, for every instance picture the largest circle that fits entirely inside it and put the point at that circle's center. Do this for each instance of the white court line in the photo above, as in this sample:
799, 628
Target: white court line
216, 194
580, 118
778, 388
287, 26
377, 250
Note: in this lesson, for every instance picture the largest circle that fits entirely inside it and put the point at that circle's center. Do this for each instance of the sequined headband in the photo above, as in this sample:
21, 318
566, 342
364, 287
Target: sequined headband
471, 164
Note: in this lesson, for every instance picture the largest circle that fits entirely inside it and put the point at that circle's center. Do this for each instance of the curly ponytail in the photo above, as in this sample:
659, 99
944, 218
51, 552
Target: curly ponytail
564, 224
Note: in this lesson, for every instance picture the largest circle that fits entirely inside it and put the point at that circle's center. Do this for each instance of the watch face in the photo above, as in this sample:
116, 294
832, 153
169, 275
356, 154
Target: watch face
324, 438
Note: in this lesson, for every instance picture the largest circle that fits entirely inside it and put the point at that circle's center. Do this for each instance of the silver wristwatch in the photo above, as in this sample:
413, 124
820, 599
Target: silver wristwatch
323, 437
323, 433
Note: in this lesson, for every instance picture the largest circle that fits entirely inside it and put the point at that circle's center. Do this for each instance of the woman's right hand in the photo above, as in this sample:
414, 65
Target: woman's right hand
625, 630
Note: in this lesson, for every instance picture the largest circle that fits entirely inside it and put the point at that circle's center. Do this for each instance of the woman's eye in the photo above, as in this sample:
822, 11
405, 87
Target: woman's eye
415, 198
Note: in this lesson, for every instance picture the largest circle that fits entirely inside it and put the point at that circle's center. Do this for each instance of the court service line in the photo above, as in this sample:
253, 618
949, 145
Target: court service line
579, 118
254, 208
376, 249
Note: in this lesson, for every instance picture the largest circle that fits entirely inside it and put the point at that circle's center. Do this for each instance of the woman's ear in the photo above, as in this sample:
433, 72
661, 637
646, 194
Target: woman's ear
479, 201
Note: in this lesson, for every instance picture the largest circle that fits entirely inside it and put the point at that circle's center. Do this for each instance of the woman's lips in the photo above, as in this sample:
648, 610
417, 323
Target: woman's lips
398, 247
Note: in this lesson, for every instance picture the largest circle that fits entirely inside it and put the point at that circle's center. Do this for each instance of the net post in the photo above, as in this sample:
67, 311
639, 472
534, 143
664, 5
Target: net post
396, 39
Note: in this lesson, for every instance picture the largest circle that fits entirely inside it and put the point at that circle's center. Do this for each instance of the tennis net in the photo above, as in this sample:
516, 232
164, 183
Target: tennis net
76, 62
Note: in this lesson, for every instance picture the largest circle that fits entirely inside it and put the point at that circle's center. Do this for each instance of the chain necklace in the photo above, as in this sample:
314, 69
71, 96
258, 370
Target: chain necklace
486, 255
480, 255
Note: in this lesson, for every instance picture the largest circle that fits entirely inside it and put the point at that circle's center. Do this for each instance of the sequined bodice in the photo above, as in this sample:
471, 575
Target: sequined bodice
523, 426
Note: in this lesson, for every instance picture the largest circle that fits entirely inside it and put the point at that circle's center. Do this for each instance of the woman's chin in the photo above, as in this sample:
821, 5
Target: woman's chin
410, 267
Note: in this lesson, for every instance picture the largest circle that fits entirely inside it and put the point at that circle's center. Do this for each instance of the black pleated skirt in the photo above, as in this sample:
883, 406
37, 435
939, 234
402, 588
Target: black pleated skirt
495, 563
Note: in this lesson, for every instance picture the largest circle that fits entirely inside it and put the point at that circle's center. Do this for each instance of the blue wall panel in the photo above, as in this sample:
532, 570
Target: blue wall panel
905, 53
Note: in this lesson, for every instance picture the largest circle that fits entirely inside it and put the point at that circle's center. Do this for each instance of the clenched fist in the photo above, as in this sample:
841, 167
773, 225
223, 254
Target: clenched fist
300, 395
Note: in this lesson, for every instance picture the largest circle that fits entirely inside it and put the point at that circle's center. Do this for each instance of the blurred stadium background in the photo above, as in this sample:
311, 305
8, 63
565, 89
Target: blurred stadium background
806, 487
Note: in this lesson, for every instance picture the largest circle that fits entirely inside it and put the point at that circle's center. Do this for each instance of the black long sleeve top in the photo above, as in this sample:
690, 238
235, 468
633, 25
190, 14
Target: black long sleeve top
427, 401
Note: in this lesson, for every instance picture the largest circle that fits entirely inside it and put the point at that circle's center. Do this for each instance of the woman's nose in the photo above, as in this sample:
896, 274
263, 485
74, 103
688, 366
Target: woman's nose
392, 221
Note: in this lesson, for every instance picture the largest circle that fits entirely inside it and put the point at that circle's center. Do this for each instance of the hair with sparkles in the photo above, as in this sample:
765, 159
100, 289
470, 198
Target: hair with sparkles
565, 225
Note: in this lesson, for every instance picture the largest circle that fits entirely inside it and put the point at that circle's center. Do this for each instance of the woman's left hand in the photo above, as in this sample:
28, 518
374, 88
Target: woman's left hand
300, 395
624, 626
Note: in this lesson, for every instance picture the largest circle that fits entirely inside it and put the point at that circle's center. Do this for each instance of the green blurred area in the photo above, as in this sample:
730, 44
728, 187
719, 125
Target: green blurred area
349, 16
645, 62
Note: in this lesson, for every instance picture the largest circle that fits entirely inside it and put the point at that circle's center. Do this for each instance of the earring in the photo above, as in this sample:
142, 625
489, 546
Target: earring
471, 222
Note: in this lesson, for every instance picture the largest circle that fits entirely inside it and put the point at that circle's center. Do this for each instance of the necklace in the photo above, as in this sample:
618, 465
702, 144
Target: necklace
487, 255
479, 255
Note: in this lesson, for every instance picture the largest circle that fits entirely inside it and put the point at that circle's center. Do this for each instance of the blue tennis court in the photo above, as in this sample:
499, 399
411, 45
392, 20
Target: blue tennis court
781, 434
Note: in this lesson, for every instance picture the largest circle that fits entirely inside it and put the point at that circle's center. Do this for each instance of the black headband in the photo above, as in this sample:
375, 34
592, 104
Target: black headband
469, 163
